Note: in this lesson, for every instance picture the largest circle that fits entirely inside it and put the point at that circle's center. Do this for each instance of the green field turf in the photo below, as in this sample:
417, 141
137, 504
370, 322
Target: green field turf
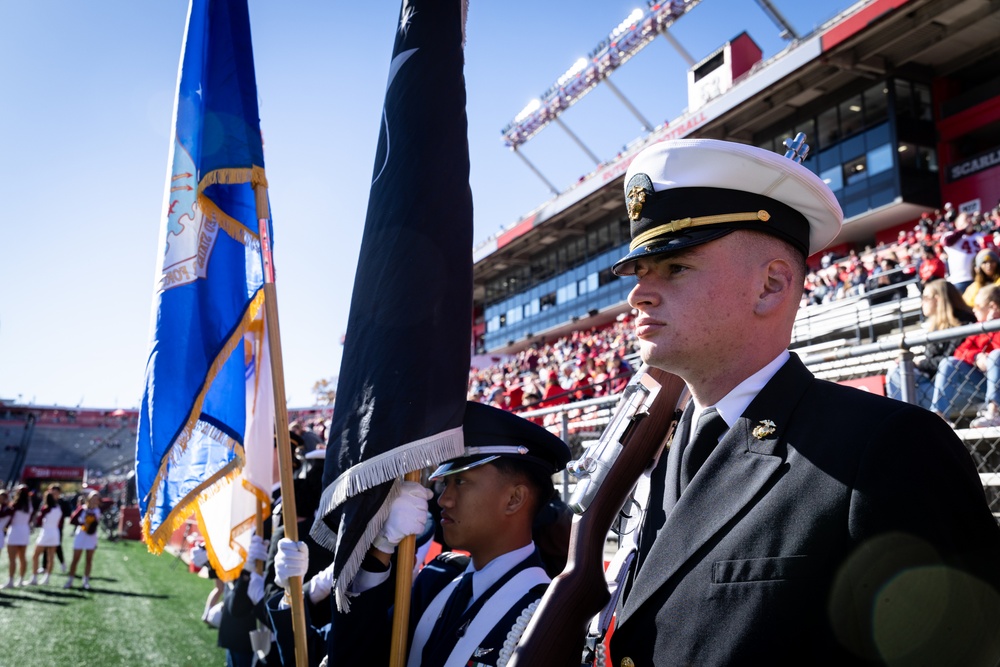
141, 610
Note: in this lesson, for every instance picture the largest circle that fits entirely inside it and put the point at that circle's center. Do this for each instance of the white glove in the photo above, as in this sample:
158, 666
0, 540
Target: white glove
321, 585
256, 552
407, 516
292, 560
255, 591
214, 615
199, 556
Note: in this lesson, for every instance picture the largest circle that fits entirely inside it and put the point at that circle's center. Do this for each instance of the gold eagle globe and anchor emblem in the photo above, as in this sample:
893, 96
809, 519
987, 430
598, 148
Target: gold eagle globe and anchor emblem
640, 187
633, 203
765, 428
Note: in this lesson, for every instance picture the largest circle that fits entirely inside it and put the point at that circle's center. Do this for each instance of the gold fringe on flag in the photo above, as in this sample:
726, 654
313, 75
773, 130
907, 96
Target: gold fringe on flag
253, 175
236, 229
155, 542
243, 527
256, 177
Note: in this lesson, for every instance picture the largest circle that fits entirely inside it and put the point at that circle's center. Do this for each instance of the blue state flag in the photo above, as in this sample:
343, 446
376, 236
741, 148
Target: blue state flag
403, 382
207, 327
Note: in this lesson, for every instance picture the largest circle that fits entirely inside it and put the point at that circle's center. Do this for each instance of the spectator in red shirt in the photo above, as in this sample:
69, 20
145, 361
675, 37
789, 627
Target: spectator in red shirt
599, 376
619, 374
960, 378
583, 386
931, 266
515, 393
554, 393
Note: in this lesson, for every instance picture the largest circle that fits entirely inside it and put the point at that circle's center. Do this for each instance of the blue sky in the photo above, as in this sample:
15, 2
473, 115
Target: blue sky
87, 94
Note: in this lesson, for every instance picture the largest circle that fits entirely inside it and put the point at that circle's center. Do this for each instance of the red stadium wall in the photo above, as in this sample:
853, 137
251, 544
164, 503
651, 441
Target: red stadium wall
983, 183
858, 22
874, 384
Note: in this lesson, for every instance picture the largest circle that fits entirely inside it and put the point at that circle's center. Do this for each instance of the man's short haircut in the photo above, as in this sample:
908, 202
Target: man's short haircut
538, 480
765, 243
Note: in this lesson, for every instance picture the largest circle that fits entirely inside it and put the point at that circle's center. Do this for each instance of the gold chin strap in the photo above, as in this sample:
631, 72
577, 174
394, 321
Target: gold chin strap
684, 223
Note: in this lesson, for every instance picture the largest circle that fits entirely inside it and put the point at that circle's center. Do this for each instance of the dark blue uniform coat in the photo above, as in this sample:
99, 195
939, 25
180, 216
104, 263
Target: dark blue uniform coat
363, 636
855, 533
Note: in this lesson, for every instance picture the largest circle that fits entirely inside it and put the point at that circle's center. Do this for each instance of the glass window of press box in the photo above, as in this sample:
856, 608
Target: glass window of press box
870, 145
569, 280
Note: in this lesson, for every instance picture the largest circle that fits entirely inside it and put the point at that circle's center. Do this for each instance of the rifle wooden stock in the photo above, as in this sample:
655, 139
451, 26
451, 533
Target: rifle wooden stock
558, 629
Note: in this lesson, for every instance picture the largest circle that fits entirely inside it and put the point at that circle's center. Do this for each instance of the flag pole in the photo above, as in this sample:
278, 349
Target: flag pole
289, 514
404, 582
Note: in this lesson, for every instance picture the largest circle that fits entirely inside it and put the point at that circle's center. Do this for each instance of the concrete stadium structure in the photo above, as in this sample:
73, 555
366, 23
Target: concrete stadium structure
899, 99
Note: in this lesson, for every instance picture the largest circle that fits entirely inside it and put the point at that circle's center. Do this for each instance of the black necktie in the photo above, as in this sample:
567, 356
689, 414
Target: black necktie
446, 628
710, 427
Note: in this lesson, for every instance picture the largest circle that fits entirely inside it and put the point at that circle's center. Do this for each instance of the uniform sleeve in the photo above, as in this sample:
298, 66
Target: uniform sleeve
281, 625
239, 604
363, 635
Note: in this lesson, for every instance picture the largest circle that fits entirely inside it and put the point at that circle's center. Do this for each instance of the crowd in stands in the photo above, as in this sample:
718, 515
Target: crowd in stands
950, 256
943, 244
585, 364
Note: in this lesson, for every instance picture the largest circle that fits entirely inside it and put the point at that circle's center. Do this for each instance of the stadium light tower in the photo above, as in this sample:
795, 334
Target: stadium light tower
629, 37
534, 170
787, 31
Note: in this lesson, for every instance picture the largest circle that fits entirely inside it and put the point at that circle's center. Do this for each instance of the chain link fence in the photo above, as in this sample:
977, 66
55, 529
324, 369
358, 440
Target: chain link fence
955, 389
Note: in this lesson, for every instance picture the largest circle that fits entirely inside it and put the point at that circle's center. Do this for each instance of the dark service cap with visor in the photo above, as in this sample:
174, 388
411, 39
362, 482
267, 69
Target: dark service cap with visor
491, 433
686, 192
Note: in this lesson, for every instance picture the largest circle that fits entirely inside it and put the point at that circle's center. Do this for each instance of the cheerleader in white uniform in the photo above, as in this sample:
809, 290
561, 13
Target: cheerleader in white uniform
86, 519
5, 514
20, 533
49, 516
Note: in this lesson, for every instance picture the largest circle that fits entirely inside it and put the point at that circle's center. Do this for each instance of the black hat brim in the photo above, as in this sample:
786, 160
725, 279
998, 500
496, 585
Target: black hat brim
677, 242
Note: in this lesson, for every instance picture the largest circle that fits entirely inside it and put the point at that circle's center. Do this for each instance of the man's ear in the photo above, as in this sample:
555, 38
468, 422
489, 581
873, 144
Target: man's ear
776, 286
519, 497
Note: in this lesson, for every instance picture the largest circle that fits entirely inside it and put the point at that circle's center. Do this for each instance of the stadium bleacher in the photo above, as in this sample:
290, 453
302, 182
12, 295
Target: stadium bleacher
89, 439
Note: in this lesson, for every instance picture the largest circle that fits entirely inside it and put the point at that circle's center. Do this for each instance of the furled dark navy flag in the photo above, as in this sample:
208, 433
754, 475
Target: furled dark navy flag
403, 381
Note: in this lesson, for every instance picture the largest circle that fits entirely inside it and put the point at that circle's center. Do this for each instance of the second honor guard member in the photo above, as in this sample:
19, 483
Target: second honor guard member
465, 610
793, 521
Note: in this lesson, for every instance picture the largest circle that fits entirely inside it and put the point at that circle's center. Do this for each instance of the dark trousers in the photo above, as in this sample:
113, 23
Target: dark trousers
238, 659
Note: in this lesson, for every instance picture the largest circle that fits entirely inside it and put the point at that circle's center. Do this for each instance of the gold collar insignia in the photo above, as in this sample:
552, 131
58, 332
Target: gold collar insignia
765, 428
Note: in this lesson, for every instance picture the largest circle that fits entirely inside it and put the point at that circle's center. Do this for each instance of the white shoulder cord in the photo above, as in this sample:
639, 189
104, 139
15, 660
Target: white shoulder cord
514, 636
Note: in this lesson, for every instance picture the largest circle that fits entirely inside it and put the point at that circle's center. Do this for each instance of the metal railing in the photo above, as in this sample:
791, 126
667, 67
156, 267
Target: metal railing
865, 316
